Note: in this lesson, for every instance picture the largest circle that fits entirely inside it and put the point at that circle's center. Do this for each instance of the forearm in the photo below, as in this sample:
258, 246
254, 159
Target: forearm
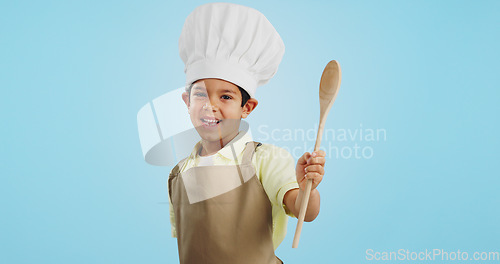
293, 200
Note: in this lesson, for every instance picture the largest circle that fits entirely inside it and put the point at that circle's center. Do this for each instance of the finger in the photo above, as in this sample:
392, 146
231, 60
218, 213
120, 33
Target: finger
319, 153
314, 176
302, 181
317, 160
304, 158
315, 168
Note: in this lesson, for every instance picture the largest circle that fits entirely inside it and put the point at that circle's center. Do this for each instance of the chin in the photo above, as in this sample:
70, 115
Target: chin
207, 136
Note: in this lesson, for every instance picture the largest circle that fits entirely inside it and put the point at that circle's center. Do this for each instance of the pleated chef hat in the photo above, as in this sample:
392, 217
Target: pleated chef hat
230, 42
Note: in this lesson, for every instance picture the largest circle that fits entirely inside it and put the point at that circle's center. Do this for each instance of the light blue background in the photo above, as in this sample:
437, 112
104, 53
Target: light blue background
75, 188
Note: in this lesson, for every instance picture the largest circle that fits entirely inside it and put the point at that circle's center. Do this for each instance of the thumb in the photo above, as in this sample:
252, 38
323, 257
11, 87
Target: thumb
303, 160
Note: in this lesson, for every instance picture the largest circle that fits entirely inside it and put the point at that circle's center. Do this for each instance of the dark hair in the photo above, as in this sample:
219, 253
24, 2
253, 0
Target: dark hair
244, 94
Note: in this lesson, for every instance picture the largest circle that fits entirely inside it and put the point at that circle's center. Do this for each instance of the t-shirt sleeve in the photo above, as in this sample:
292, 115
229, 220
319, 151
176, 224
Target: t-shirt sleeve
276, 170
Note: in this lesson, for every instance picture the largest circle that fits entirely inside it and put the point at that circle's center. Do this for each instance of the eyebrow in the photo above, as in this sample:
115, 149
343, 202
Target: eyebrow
223, 91
229, 91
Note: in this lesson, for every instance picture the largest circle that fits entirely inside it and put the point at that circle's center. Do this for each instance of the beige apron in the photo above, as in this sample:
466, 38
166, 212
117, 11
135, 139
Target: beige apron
222, 214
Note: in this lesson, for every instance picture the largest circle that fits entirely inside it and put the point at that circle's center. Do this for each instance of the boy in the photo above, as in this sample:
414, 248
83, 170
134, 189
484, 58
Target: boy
230, 197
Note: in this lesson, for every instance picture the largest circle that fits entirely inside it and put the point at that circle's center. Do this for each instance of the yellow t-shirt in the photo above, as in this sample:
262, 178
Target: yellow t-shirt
275, 168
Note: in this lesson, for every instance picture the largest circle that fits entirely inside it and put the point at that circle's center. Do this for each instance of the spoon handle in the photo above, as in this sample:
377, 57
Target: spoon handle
307, 191
302, 214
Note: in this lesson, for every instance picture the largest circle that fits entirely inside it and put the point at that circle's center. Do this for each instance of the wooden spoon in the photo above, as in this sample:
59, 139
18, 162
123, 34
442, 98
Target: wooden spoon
328, 89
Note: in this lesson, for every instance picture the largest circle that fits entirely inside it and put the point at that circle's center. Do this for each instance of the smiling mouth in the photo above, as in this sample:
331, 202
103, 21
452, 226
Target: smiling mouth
210, 122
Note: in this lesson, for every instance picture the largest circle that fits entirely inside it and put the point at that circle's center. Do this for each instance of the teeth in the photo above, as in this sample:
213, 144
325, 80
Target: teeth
211, 121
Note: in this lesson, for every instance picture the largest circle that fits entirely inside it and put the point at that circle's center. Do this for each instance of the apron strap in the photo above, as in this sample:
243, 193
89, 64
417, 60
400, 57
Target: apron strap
174, 173
249, 151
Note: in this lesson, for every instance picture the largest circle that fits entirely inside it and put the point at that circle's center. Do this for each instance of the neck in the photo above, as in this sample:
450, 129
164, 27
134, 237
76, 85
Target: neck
211, 147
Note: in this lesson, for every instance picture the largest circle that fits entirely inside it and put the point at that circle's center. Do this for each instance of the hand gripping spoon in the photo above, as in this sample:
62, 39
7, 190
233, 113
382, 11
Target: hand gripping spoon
328, 89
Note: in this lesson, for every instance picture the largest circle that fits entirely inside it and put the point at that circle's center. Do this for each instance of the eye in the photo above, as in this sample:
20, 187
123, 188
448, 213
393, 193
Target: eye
226, 97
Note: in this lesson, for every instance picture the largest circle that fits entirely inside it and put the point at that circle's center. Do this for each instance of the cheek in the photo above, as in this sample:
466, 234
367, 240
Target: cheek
233, 112
194, 109
197, 103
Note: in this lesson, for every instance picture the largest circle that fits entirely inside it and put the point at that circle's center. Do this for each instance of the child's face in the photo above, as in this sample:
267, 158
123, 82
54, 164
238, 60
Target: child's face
215, 109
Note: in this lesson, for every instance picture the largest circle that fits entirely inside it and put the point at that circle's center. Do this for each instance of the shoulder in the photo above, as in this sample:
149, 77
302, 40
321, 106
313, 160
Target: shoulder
180, 167
273, 151
268, 153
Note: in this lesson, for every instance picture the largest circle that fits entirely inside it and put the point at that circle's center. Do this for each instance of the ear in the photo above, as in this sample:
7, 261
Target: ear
249, 107
185, 98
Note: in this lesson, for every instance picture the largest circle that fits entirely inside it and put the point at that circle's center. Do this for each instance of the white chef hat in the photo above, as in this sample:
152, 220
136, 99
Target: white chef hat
230, 42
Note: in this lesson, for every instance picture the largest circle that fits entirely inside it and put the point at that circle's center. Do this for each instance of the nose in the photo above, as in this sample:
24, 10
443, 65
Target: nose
211, 104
